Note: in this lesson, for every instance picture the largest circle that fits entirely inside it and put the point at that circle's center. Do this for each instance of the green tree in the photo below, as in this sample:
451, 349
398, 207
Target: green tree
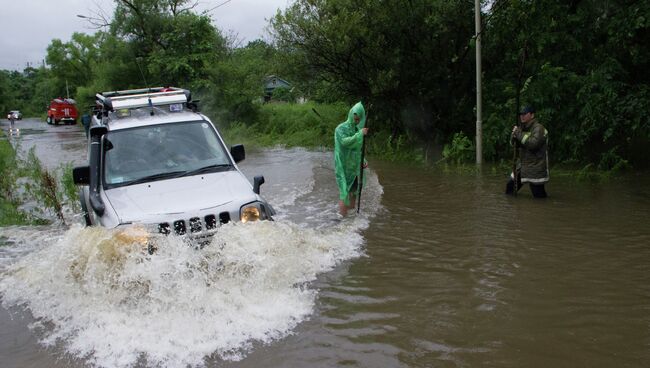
176, 45
6, 95
410, 58
72, 62
237, 82
585, 69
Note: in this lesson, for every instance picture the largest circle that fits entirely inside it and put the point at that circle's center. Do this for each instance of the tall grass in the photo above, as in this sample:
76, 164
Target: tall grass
69, 190
305, 125
44, 186
8, 170
9, 173
312, 125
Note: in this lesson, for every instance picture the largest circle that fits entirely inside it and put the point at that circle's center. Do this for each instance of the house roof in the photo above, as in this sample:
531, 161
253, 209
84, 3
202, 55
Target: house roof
272, 82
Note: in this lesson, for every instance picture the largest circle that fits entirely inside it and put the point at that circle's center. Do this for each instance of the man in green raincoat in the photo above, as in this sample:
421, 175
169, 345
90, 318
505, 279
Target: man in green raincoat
348, 140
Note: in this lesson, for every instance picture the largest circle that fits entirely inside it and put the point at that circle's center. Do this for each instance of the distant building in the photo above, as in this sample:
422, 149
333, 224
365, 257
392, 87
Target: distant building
271, 83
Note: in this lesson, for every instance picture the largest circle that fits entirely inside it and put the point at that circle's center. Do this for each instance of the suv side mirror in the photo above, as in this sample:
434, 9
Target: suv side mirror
238, 153
81, 175
257, 182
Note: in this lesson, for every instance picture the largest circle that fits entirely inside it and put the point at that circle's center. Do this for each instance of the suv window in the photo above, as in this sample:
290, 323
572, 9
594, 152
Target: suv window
163, 151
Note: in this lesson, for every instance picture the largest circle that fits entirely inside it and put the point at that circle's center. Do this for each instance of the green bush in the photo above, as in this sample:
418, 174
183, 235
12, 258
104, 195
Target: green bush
283, 94
460, 150
385, 147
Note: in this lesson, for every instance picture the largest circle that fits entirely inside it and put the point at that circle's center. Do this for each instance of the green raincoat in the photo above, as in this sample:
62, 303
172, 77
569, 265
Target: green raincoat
348, 140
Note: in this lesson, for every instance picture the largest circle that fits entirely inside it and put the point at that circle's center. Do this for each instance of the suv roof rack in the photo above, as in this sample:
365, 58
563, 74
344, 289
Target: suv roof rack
135, 98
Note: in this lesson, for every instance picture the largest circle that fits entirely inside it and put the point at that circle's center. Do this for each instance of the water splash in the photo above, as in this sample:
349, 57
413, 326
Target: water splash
98, 294
112, 303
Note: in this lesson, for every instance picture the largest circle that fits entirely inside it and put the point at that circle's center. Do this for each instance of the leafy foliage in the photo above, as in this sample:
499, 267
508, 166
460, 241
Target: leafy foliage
409, 58
236, 83
71, 63
283, 94
587, 72
584, 64
461, 149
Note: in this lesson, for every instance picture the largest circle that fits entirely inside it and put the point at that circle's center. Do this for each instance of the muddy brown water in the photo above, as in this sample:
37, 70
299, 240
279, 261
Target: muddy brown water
450, 272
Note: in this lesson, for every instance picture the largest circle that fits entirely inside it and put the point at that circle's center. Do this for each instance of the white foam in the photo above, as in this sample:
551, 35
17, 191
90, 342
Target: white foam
111, 303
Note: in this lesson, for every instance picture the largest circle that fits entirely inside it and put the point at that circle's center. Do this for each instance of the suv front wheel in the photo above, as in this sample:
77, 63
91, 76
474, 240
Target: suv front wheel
84, 209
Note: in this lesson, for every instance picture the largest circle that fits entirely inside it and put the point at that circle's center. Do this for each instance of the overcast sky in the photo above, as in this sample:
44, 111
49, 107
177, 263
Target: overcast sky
28, 26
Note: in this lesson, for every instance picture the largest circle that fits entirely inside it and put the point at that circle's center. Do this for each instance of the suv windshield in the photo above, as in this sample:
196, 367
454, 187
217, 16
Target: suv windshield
161, 152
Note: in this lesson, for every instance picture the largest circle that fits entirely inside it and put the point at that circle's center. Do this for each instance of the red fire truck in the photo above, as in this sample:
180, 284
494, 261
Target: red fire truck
62, 110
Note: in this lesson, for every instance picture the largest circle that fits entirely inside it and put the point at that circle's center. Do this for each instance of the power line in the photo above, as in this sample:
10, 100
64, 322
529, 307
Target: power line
220, 5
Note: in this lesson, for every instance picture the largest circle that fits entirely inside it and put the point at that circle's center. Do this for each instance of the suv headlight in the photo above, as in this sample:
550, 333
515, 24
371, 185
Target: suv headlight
251, 212
139, 235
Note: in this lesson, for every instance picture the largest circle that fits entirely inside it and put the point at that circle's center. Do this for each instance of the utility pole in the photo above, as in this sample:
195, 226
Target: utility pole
47, 89
479, 102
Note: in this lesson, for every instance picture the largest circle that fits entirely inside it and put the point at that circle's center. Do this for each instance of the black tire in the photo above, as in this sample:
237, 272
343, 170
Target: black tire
84, 209
49, 120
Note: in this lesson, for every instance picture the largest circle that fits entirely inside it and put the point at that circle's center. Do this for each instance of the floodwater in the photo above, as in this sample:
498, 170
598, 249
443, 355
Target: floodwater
437, 270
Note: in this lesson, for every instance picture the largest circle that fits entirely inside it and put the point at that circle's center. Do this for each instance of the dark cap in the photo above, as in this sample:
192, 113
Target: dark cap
526, 110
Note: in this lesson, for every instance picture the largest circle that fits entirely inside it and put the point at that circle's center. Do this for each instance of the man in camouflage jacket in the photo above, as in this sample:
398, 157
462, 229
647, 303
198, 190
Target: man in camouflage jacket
532, 140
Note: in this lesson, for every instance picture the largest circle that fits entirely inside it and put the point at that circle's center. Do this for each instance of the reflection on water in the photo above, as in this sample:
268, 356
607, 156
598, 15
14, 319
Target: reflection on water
438, 270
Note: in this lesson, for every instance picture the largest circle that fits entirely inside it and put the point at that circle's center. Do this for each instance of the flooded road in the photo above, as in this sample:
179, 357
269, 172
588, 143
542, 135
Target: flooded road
438, 270
54, 144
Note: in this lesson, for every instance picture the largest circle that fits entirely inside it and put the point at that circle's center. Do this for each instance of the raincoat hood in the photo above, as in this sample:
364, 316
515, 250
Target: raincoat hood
359, 111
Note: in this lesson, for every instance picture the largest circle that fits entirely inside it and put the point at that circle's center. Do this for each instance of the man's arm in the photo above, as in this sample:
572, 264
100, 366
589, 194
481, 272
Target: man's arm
534, 139
353, 140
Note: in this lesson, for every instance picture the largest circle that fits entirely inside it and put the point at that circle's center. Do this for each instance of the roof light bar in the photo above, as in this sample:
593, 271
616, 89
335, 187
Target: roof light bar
135, 98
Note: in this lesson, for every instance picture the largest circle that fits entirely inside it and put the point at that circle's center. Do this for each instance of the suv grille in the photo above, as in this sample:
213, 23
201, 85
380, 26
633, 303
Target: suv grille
195, 224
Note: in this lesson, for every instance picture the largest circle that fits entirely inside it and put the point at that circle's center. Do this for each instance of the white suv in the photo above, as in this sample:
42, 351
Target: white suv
154, 160
17, 115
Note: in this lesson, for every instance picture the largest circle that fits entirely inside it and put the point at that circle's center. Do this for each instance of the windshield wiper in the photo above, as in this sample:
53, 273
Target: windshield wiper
154, 177
208, 169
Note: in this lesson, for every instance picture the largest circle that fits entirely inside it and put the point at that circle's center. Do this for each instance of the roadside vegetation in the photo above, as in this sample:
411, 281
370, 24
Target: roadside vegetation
9, 201
583, 64
31, 194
